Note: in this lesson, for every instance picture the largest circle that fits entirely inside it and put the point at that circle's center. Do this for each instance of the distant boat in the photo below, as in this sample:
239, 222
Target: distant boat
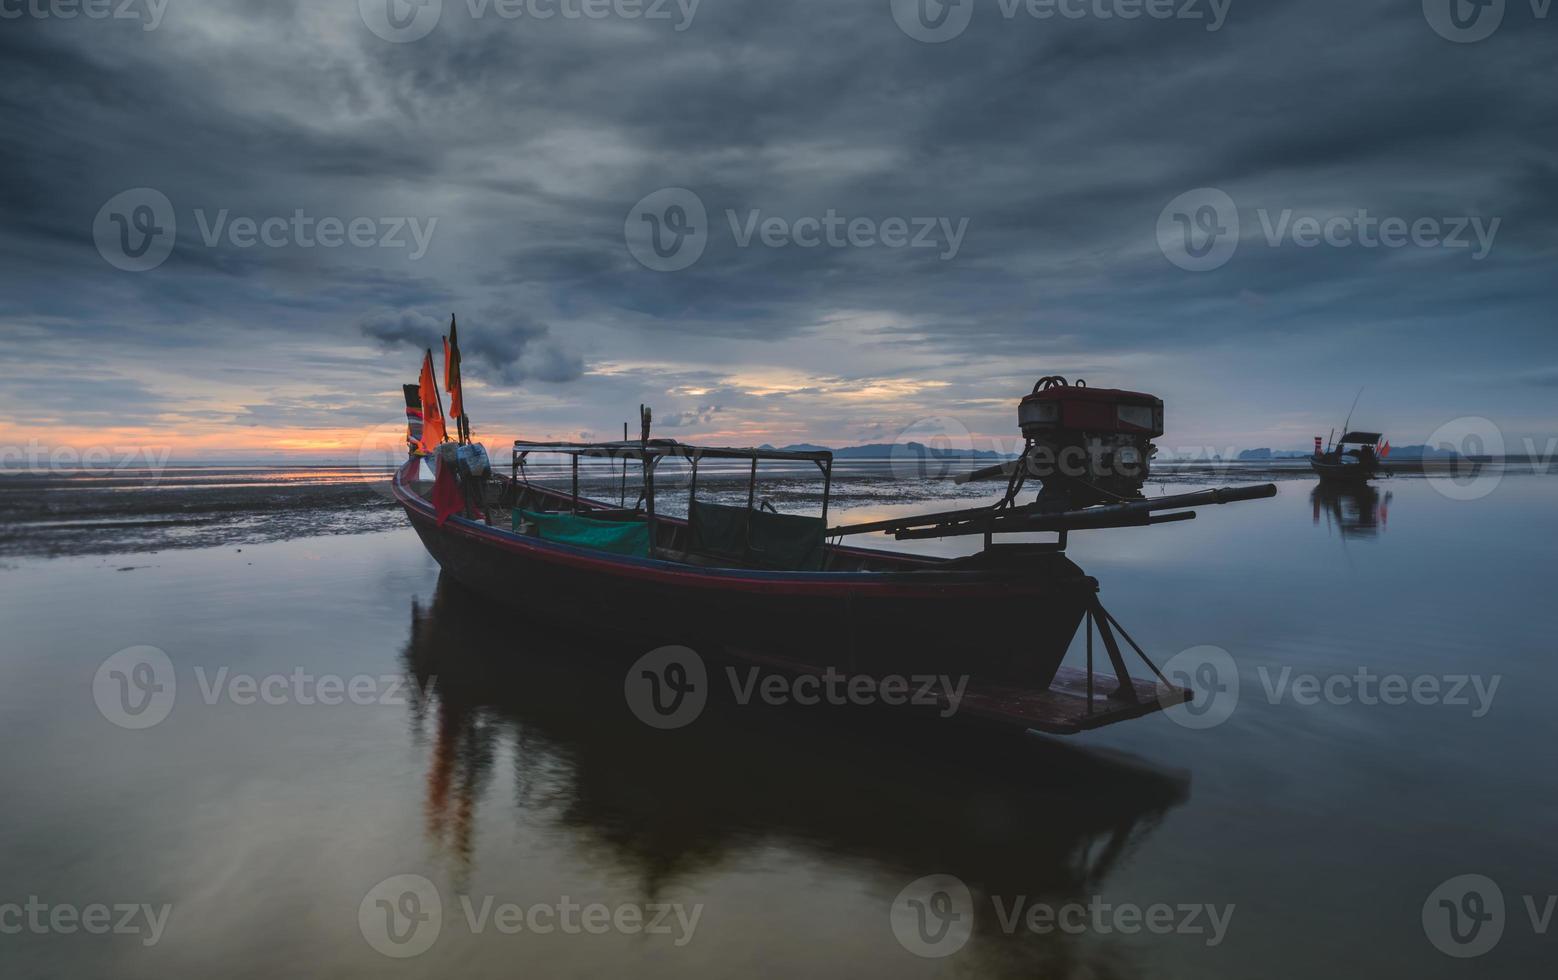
1351, 460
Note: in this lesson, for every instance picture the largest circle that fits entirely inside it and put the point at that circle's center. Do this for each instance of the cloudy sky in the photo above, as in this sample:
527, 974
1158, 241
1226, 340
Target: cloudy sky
230, 226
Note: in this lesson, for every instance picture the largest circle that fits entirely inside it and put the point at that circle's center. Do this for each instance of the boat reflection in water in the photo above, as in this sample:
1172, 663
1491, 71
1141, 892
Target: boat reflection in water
1358, 511
888, 797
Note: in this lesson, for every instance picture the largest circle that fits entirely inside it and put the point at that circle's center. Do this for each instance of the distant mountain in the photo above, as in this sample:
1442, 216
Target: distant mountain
1260, 454
1421, 452
885, 450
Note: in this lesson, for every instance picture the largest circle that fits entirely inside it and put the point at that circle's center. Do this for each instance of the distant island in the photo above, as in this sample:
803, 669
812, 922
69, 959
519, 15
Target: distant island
1250, 455
887, 450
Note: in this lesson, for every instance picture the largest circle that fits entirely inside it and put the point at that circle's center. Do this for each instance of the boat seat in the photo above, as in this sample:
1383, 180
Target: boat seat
779, 542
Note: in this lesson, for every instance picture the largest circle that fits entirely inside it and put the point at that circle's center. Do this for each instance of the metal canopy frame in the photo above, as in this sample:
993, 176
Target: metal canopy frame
651, 451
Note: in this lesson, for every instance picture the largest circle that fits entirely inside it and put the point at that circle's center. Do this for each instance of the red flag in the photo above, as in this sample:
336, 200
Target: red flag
452, 372
433, 432
1385, 451
447, 500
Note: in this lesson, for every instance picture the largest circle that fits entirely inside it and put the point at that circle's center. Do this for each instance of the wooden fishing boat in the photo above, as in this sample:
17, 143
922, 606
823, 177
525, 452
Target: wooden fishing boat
1352, 461
773, 589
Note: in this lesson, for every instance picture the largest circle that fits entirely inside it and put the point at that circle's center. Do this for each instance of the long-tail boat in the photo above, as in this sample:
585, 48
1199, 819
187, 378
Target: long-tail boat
784, 592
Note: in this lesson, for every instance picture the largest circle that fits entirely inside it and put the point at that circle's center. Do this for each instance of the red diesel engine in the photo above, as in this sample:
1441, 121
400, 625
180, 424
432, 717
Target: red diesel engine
1089, 445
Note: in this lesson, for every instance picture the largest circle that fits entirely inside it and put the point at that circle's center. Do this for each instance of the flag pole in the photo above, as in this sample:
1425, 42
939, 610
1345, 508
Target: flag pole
452, 348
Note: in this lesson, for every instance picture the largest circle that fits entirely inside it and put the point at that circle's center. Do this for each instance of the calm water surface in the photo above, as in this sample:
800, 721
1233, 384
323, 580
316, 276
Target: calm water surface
510, 771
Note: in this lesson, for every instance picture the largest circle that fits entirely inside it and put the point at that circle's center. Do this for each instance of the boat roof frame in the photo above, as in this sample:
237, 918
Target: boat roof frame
1360, 438
660, 448
652, 451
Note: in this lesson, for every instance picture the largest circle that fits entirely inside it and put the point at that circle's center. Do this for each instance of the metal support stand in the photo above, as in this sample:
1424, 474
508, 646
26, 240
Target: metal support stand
1100, 618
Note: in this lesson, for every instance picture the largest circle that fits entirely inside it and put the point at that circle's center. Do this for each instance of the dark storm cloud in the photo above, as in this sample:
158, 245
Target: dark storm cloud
506, 347
1059, 142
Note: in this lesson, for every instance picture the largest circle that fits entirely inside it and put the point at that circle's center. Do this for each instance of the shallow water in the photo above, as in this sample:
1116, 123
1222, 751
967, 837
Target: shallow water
496, 757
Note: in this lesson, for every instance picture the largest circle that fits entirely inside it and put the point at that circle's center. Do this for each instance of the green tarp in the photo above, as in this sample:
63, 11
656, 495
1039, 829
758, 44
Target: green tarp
778, 541
617, 537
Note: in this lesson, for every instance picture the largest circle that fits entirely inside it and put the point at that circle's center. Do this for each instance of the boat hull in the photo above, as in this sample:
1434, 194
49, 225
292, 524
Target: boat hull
992, 625
1342, 474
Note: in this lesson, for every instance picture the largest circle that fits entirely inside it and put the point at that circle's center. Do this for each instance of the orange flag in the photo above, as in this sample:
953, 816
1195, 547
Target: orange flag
433, 432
